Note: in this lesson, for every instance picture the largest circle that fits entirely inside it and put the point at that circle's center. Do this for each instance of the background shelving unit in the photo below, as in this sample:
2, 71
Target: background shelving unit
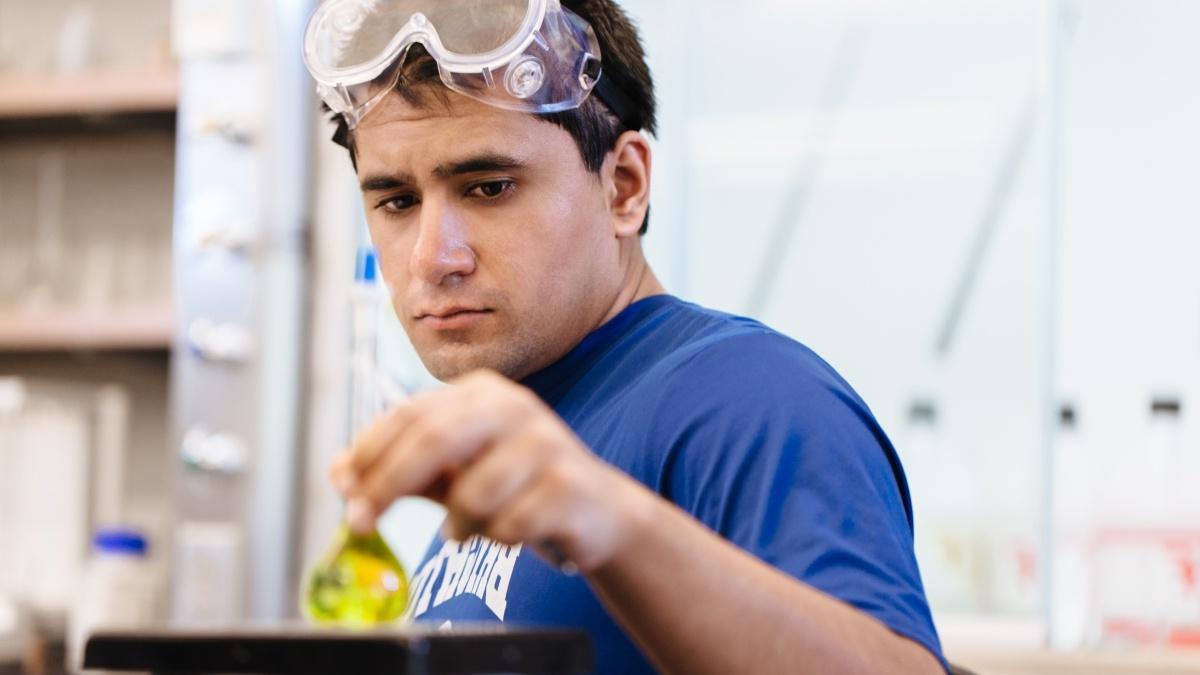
87, 163
35, 108
91, 330
96, 93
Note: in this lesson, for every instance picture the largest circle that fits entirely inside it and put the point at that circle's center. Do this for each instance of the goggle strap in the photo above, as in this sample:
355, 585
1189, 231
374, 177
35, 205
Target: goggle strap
619, 103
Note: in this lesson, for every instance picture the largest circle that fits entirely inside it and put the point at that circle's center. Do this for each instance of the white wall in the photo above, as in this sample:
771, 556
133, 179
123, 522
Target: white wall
889, 124
1130, 320
898, 166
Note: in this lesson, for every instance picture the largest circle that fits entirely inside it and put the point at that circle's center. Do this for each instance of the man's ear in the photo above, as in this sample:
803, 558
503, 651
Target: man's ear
627, 181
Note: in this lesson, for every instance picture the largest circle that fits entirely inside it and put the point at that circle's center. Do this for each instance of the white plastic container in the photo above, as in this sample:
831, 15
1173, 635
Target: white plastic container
119, 590
946, 514
1073, 517
14, 632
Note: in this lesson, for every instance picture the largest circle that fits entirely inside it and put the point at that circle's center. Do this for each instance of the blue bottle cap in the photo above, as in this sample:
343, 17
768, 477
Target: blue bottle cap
118, 540
366, 271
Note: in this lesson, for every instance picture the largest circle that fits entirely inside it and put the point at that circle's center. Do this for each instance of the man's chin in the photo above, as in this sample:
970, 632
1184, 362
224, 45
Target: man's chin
448, 361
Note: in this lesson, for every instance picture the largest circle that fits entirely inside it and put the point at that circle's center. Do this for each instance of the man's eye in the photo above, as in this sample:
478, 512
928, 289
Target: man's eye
491, 189
398, 204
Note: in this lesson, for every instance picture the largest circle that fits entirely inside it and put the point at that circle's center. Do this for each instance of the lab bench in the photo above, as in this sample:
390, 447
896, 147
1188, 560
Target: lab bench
313, 651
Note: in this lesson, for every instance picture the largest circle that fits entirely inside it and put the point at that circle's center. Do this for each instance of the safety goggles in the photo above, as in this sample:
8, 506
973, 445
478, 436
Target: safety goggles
524, 55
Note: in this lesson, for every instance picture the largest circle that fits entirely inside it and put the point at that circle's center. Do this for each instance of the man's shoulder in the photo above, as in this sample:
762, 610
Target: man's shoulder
731, 356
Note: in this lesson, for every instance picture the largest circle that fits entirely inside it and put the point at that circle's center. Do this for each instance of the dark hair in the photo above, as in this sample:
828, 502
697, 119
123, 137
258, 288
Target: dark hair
594, 125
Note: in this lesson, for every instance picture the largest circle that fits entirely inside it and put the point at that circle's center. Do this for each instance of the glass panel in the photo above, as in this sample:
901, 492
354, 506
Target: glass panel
870, 179
1128, 485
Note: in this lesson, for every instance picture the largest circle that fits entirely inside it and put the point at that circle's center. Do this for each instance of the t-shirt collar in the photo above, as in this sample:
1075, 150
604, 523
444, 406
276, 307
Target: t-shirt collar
553, 381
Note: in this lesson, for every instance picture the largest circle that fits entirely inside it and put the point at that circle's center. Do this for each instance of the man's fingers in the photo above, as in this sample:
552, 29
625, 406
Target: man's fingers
485, 487
341, 473
536, 515
429, 447
361, 515
371, 443
376, 491
438, 489
437, 441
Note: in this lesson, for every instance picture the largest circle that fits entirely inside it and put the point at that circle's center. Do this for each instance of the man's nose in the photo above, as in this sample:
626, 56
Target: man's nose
442, 253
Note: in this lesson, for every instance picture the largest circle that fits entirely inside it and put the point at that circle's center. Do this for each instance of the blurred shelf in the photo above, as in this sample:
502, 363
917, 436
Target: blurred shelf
967, 629
997, 645
65, 330
1003, 661
98, 93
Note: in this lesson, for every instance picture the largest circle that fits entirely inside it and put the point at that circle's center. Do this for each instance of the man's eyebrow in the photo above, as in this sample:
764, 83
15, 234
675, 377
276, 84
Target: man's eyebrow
485, 162
382, 181
489, 161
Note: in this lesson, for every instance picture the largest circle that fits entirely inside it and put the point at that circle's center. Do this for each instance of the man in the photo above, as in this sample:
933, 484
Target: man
699, 492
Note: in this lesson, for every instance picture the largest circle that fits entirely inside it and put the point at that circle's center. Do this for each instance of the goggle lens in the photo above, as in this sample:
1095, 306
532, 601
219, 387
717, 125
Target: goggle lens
356, 32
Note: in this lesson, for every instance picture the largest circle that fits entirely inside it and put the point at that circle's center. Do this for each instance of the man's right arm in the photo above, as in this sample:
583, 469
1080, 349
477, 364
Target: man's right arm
697, 604
769, 451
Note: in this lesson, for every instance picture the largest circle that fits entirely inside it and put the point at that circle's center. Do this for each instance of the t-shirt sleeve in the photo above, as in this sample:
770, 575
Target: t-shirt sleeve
769, 447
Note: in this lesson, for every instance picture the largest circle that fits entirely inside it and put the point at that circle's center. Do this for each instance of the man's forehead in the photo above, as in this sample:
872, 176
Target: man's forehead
395, 113
418, 140
430, 104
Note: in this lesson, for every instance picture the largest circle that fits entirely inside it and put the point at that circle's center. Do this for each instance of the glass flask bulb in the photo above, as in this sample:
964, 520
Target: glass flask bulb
359, 583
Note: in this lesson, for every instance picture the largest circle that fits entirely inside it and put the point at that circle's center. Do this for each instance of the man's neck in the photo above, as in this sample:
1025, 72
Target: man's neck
640, 282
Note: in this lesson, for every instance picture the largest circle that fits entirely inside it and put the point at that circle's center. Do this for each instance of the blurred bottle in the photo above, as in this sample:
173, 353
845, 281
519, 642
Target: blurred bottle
208, 585
14, 633
74, 51
1182, 545
119, 590
48, 278
1146, 554
945, 514
366, 401
1163, 440
1182, 486
1073, 504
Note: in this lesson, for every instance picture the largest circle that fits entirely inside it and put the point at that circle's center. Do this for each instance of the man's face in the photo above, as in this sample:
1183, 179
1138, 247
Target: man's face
495, 240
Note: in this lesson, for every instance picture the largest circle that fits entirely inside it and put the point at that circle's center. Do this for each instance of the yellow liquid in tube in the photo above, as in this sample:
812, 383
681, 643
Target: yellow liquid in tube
359, 583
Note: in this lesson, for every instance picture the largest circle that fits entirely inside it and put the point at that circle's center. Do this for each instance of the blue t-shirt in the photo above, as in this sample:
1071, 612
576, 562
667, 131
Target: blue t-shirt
745, 429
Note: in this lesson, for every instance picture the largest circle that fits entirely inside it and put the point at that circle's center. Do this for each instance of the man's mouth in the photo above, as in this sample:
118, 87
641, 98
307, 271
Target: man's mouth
453, 318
